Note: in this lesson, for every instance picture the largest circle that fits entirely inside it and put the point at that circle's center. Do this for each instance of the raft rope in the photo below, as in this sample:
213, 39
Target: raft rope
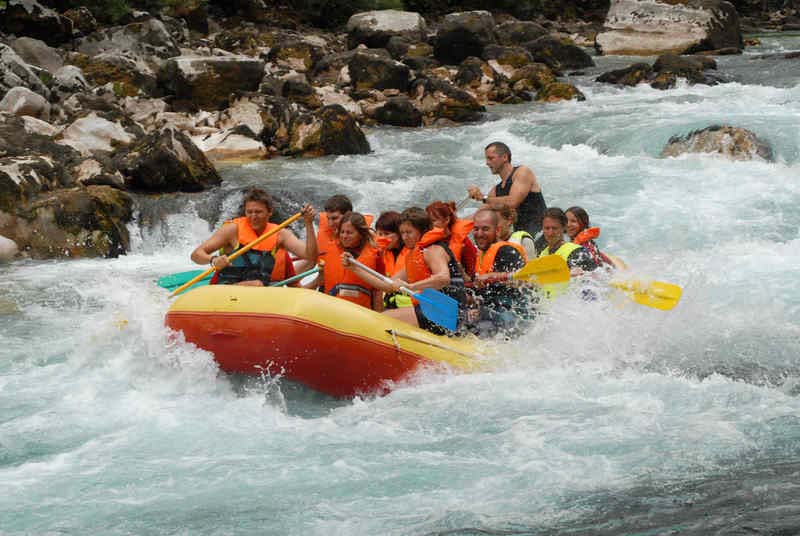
395, 334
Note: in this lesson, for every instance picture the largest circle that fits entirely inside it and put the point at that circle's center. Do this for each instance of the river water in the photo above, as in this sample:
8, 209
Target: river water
607, 418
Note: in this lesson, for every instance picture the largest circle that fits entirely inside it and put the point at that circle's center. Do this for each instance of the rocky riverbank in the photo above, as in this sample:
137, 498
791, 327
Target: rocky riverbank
92, 113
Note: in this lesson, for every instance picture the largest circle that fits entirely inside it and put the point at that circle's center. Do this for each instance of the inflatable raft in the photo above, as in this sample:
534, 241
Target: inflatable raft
327, 344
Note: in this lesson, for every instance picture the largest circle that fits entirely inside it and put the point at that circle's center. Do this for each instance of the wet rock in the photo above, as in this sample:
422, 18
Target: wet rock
31, 19
462, 35
23, 101
23, 177
375, 28
509, 57
93, 133
76, 222
208, 81
439, 99
15, 72
559, 91
300, 91
733, 142
92, 172
531, 78
645, 27
371, 70
629, 76
328, 95
478, 78
166, 161
37, 53
127, 76
332, 69
332, 130
558, 54
512, 33
147, 39
399, 112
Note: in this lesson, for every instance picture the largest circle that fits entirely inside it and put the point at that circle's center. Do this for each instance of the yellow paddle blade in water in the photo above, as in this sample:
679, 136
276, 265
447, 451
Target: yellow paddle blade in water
656, 294
544, 270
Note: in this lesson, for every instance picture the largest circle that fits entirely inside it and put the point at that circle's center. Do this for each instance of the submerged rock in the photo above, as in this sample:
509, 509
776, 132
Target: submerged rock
735, 143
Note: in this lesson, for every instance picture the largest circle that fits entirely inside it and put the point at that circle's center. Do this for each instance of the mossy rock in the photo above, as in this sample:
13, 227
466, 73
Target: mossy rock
559, 91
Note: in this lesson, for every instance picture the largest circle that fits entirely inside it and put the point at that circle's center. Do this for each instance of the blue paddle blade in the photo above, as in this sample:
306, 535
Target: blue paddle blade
439, 308
173, 281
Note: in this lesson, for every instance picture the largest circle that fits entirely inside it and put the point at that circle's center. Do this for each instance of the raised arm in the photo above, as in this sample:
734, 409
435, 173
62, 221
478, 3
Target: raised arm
305, 250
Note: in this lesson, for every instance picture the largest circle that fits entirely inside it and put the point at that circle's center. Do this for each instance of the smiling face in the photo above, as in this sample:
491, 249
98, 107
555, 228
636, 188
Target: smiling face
257, 215
573, 225
409, 234
334, 220
553, 232
485, 230
349, 236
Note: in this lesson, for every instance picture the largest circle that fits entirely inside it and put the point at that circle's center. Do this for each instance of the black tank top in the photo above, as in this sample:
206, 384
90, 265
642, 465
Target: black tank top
530, 211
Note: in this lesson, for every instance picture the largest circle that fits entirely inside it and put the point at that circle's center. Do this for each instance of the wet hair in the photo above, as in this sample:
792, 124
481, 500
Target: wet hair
258, 195
495, 214
388, 221
507, 213
439, 210
418, 219
357, 220
555, 213
338, 203
580, 215
500, 148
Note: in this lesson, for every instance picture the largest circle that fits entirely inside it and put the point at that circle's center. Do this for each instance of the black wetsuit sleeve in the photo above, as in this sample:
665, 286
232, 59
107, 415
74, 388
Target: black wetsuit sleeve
582, 258
508, 259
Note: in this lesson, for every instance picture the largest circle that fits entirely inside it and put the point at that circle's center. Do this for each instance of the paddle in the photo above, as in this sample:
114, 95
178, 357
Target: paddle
656, 294
294, 278
461, 204
439, 308
542, 271
238, 253
173, 281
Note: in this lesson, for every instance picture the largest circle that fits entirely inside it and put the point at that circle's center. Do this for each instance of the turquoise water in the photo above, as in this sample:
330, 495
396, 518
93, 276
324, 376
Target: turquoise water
607, 417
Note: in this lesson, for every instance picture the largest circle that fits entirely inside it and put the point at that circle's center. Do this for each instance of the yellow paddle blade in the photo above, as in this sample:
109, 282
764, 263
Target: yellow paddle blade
544, 270
656, 294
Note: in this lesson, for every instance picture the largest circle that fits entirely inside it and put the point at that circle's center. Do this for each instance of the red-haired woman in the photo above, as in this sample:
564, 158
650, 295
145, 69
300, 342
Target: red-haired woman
456, 232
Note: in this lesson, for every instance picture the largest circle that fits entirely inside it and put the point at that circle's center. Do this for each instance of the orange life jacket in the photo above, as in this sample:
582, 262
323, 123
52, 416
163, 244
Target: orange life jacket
268, 247
344, 283
587, 234
486, 265
416, 268
458, 232
326, 239
392, 264
586, 239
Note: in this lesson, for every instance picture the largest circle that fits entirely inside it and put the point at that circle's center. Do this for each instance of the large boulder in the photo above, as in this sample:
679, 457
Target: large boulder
371, 70
128, 76
15, 72
512, 33
375, 28
558, 54
559, 91
649, 27
631, 75
209, 81
532, 78
30, 18
166, 161
69, 79
399, 112
93, 133
23, 101
147, 39
439, 99
234, 144
23, 177
331, 130
83, 22
732, 142
664, 73
296, 54
462, 35
8, 249
76, 222
37, 53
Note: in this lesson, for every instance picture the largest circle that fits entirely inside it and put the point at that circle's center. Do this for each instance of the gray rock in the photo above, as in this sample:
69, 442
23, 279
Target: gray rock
23, 101
462, 35
209, 81
370, 70
374, 28
513, 33
8, 249
38, 53
400, 112
645, 27
30, 18
69, 79
558, 54
147, 39
15, 72
735, 143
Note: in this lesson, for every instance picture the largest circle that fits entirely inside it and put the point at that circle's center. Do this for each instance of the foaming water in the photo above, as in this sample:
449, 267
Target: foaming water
604, 413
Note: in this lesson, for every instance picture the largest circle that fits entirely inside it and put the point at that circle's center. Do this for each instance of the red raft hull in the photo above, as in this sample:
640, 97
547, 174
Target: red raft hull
327, 344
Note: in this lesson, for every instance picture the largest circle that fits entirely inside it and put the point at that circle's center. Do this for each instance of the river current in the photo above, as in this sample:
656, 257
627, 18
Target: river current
606, 418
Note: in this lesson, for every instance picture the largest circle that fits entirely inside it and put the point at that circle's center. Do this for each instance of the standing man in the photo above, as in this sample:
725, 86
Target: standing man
518, 188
